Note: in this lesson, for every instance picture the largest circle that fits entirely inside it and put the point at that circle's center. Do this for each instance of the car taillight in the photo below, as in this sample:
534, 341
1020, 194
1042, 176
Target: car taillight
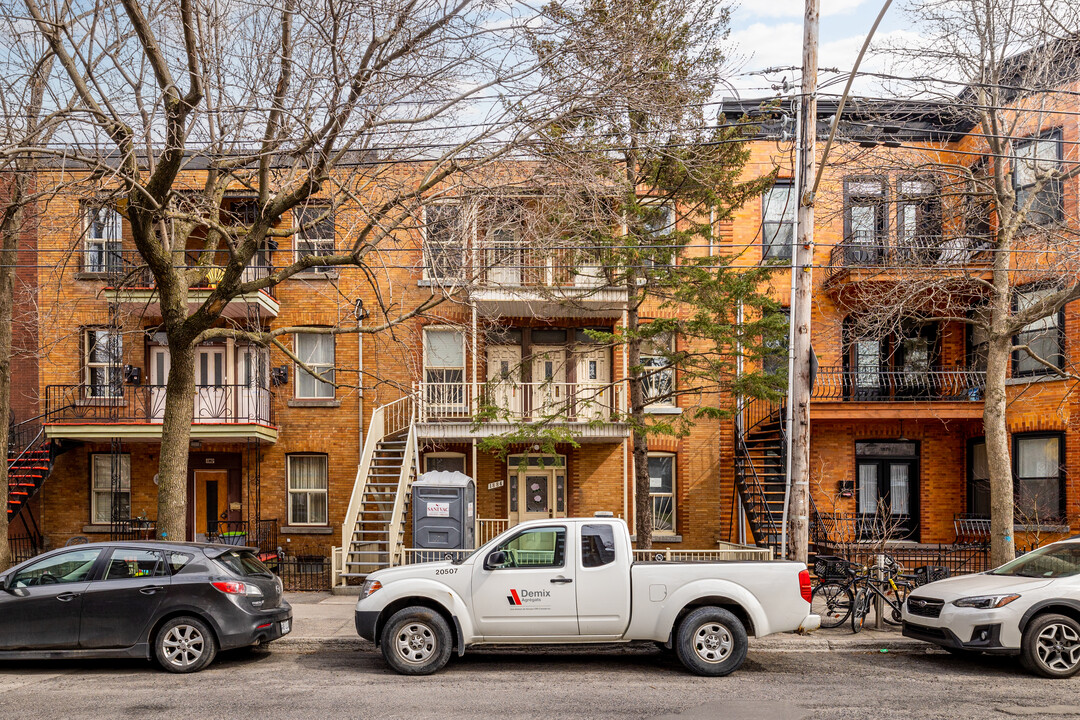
804, 585
233, 587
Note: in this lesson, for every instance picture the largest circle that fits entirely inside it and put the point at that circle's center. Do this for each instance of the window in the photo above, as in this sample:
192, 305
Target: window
658, 225
658, 374
865, 221
1039, 478
1044, 337
978, 342
505, 251
103, 237
177, 561
597, 545
444, 243
662, 492
543, 547
67, 567
307, 490
127, 563
315, 350
315, 232
444, 462
775, 361
918, 215
444, 367
110, 499
104, 374
1033, 161
978, 484
778, 207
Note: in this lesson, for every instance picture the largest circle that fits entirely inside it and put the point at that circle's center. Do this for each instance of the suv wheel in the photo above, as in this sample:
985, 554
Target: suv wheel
184, 644
416, 641
711, 641
1051, 646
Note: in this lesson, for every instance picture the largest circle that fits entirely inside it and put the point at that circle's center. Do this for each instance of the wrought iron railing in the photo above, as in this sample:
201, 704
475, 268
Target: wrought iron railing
874, 385
874, 251
126, 271
516, 402
261, 534
24, 547
125, 403
972, 529
134, 529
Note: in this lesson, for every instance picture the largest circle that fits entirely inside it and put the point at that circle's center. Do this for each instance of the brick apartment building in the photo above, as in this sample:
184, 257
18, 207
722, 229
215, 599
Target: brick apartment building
279, 458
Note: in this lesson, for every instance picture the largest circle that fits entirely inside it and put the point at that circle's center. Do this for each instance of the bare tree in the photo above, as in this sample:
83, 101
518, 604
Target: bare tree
374, 111
985, 237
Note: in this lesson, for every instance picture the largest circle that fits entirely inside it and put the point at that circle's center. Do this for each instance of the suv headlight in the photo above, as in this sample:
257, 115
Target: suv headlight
985, 602
369, 587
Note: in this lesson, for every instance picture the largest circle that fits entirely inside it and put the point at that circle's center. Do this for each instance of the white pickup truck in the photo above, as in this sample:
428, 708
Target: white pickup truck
573, 580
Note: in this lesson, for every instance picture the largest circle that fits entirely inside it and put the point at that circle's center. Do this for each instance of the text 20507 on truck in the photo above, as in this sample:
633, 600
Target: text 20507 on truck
574, 581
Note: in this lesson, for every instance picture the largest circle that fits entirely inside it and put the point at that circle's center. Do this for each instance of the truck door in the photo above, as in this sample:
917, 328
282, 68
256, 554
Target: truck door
532, 594
603, 583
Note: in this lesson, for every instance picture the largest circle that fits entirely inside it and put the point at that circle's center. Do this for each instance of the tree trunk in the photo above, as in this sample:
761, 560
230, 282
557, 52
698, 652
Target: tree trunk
643, 519
175, 434
1002, 546
9, 247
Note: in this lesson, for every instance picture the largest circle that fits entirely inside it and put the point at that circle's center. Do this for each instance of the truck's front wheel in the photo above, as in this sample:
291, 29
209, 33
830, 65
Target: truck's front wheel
416, 641
711, 641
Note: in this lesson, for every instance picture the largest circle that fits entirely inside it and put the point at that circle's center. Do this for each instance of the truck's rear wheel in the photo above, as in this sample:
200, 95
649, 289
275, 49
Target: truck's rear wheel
416, 641
711, 641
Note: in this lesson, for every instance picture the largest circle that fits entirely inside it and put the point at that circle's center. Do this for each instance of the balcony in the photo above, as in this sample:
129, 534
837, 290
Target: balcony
524, 282
462, 411
135, 412
871, 256
134, 287
840, 392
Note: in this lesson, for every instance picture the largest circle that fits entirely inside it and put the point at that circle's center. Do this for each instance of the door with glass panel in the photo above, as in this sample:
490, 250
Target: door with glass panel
885, 499
211, 391
159, 376
548, 382
504, 380
592, 389
444, 373
252, 393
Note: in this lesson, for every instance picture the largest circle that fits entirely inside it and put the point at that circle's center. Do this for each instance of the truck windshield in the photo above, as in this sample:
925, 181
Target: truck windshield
1052, 561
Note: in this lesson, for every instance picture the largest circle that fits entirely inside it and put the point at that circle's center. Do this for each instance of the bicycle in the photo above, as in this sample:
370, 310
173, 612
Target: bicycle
887, 587
833, 597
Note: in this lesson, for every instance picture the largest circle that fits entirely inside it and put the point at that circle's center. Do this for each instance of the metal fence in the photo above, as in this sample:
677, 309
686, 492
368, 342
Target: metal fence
304, 572
959, 560
23, 547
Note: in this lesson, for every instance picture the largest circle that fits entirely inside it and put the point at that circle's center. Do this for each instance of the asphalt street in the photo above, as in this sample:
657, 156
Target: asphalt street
573, 683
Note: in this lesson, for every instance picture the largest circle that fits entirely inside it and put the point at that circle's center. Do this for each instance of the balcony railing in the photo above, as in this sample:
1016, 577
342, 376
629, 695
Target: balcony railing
520, 402
517, 267
920, 251
138, 404
955, 385
125, 270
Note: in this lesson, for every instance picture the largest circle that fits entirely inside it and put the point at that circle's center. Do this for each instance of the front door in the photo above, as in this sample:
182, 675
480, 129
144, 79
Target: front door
159, 376
592, 393
118, 608
211, 501
504, 378
884, 497
532, 594
548, 383
537, 493
252, 393
44, 606
211, 392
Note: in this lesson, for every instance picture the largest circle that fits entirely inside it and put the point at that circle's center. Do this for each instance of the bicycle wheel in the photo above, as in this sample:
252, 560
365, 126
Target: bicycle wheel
832, 601
860, 609
892, 615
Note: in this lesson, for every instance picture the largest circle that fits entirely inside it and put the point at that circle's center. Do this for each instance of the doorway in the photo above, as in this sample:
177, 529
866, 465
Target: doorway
211, 501
537, 487
887, 490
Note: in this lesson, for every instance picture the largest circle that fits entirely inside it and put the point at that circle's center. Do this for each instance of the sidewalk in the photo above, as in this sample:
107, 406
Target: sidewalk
322, 621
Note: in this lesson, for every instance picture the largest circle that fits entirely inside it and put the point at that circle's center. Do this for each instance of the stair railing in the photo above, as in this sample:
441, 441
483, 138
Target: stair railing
371, 442
410, 461
753, 414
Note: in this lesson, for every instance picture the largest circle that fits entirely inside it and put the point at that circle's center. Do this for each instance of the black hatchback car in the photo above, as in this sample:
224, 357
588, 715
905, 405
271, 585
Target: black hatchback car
178, 603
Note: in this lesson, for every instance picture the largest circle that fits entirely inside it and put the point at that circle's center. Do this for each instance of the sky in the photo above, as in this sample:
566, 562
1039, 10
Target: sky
768, 33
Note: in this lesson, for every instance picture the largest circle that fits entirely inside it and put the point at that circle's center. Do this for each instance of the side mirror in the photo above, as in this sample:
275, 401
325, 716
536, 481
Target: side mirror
6, 581
495, 560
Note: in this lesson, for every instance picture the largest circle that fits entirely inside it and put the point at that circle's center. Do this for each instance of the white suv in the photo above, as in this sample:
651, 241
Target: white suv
1030, 607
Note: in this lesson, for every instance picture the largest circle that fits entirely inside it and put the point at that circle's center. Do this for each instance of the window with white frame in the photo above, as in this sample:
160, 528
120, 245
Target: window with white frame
103, 369
444, 241
110, 496
918, 216
658, 226
444, 367
103, 239
1044, 336
315, 233
308, 489
1034, 161
778, 222
316, 351
662, 492
658, 373
444, 462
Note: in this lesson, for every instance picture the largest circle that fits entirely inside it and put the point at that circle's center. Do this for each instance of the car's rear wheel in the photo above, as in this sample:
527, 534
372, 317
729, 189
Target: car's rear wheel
1051, 646
184, 645
416, 641
711, 641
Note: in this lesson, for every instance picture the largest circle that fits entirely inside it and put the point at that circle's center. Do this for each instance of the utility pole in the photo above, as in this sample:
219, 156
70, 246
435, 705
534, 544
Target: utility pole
799, 460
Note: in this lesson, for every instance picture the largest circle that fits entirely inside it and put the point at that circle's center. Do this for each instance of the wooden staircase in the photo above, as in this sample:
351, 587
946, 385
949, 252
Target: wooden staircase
30, 460
760, 466
373, 533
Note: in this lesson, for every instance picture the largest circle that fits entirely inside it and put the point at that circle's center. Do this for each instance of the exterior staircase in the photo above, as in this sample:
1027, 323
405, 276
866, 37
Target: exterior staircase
760, 464
30, 460
373, 533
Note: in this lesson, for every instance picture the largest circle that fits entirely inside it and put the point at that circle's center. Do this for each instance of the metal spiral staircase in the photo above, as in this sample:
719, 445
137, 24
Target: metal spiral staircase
30, 461
760, 461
